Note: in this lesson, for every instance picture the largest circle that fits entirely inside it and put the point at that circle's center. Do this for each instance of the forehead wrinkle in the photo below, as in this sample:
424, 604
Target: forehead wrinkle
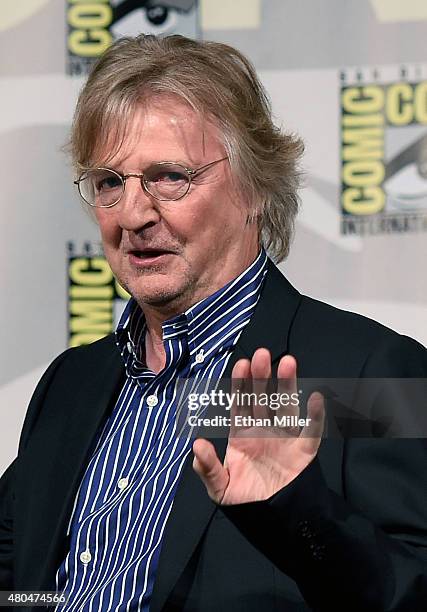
109, 147
183, 126
127, 135
183, 122
203, 143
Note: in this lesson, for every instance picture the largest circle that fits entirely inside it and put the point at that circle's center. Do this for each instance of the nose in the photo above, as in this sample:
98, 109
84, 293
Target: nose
137, 208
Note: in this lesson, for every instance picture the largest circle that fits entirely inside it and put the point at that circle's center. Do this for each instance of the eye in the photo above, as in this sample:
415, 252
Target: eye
166, 181
154, 20
106, 181
166, 175
131, 17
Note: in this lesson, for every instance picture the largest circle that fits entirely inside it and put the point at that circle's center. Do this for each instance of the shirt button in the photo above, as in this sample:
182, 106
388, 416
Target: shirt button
129, 347
123, 483
152, 400
86, 557
200, 357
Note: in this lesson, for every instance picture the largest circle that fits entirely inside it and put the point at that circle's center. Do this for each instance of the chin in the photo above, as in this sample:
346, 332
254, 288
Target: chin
157, 299
156, 291
156, 296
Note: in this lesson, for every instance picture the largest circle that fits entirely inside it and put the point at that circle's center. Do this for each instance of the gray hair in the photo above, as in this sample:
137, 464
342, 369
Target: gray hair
217, 81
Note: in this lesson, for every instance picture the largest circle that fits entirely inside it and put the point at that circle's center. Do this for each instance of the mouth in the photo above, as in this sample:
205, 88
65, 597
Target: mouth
148, 256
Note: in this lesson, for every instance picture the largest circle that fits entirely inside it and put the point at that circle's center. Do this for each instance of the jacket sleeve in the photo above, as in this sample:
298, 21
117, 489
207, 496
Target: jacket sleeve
7, 481
366, 550
6, 529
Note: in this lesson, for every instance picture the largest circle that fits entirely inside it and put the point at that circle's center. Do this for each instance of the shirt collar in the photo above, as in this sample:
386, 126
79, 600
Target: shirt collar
207, 326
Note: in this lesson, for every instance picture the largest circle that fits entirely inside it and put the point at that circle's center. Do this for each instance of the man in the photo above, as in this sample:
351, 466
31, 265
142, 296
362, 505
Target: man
190, 181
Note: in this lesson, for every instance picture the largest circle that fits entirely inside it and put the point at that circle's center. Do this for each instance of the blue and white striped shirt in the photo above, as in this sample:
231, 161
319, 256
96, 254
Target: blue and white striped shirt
127, 491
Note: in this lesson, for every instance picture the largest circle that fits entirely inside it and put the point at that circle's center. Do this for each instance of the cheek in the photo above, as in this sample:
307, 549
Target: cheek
109, 228
224, 222
217, 214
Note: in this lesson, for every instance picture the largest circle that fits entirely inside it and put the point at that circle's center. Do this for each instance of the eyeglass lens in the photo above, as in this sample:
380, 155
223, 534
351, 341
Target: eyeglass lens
103, 187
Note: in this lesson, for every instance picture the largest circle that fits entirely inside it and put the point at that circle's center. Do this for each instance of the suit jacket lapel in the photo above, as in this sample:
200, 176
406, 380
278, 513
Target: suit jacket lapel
271, 322
192, 509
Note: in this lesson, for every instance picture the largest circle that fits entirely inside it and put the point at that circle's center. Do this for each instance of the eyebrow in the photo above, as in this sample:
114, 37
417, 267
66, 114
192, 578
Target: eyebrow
119, 167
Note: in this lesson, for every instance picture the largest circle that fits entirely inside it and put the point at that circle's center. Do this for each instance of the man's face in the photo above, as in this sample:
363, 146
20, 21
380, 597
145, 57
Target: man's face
170, 255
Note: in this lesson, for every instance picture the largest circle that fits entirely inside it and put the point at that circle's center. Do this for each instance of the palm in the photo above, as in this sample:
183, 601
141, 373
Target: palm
259, 467
258, 461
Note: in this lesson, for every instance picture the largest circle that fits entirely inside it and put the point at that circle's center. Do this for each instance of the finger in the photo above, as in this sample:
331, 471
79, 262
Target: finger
287, 369
213, 474
261, 374
287, 375
261, 364
240, 383
311, 433
241, 369
287, 387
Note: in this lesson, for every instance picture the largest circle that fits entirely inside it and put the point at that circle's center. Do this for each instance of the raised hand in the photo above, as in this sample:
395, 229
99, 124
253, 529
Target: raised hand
258, 462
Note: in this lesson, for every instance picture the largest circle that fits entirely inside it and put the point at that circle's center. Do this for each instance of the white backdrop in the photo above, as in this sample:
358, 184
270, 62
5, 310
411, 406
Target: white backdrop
329, 67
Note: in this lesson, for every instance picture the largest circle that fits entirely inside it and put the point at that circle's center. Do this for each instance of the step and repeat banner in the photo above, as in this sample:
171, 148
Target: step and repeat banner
349, 77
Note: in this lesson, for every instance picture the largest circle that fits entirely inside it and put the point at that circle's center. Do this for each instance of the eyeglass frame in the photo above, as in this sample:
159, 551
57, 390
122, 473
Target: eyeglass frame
191, 173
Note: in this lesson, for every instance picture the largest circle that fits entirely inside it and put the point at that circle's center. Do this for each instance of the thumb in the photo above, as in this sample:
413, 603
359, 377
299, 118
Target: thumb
213, 474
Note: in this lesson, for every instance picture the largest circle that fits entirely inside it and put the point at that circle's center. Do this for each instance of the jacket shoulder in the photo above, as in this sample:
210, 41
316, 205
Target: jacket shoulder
351, 340
77, 368
104, 346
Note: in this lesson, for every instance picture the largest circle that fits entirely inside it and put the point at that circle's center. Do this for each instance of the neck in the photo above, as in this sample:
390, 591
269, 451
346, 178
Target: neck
154, 349
155, 315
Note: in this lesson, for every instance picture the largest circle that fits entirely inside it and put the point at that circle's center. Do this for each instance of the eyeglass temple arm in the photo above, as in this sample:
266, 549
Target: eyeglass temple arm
206, 166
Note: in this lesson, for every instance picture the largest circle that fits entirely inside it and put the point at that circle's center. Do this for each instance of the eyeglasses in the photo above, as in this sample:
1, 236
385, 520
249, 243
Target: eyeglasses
165, 181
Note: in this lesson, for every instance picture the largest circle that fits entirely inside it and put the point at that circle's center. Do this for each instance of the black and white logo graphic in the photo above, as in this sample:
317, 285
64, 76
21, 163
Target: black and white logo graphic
131, 17
93, 26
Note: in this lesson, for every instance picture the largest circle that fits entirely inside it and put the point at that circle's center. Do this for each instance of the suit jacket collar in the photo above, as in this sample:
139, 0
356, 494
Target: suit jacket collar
271, 322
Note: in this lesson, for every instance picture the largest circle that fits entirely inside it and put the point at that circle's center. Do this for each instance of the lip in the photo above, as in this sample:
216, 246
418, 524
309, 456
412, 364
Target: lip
148, 257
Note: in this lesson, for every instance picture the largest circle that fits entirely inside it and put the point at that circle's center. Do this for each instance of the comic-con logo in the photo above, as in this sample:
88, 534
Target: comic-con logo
95, 298
93, 25
384, 152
